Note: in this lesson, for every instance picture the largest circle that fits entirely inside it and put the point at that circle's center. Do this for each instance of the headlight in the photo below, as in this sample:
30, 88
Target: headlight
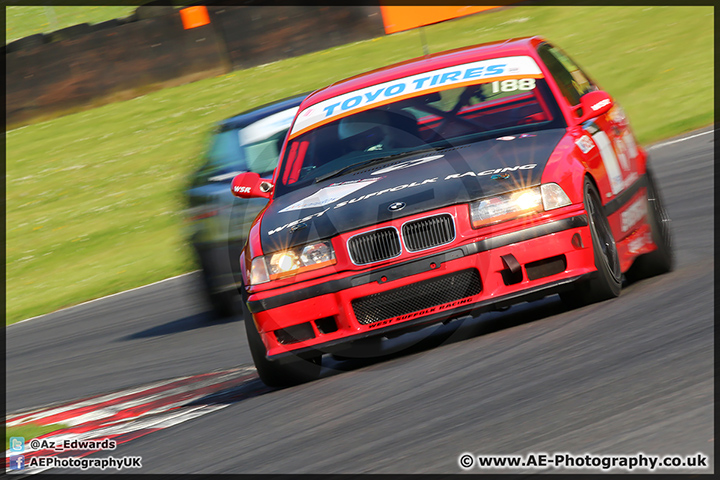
500, 208
291, 262
553, 196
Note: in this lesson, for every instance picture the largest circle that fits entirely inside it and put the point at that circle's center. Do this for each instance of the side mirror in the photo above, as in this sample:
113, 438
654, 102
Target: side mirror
594, 104
250, 185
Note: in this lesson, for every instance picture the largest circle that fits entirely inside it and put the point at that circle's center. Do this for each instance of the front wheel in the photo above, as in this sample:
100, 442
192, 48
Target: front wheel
608, 280
662, 259
285, 372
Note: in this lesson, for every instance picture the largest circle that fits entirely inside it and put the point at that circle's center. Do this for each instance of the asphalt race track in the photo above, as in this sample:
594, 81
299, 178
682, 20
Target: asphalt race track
630, 375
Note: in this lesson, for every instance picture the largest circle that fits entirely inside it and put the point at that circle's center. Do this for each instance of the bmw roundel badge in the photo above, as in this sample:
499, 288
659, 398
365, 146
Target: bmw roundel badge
394, 207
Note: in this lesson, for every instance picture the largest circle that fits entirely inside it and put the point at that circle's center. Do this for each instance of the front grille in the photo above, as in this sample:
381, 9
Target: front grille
417, 296
428, 232
374, 246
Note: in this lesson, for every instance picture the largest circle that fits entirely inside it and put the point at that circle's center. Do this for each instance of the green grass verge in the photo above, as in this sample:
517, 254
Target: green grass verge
22, 21
94, 199
30, 431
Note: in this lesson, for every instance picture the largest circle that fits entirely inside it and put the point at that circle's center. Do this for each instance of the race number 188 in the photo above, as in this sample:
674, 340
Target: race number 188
512, 84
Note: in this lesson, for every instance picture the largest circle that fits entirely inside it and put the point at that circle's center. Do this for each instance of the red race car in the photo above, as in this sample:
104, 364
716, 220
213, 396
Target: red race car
443, 186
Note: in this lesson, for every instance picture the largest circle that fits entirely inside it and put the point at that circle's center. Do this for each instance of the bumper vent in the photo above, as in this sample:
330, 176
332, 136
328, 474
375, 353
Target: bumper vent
428, 232
546, 267
374, 246
417, 296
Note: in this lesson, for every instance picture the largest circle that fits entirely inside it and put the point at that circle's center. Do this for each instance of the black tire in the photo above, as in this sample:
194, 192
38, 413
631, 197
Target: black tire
661, 260
285, 372
223, 304
608, 280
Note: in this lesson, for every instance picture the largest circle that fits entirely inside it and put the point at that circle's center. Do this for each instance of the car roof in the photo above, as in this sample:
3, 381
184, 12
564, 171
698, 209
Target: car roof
449, 58
253, 115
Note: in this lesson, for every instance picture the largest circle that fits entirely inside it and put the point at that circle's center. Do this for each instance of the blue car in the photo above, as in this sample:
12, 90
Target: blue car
218, 221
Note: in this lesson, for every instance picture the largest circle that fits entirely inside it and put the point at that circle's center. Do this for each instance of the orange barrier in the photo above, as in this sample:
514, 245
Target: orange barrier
193, 17
400, 18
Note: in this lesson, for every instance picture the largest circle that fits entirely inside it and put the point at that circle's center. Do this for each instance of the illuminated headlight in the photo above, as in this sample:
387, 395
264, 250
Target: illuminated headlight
500, 208
291, 262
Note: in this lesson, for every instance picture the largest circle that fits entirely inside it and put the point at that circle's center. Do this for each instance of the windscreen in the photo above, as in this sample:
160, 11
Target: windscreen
432, 117
252, 148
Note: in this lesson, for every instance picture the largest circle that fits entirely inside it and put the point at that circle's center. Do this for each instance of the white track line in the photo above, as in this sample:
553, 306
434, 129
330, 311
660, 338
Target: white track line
20, 418
103, 298
652, 147
664, 144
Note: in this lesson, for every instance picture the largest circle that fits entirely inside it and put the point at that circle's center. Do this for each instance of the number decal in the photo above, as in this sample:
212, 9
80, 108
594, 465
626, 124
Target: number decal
526, 83
510, 85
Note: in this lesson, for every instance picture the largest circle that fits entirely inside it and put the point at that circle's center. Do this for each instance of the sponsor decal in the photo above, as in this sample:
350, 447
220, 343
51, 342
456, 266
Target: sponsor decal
435, 80
633, 214
500, 176
330, 194
392, 189
410, 163
600, 105
421, 313
301, 220
620, 149
397, 206
403, 186
529, 166
630, 179
630, 144
612, 167
638, 243
585, 144
617, 115
239, 189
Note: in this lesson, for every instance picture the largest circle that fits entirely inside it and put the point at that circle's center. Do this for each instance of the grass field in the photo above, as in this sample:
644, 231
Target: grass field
21, 21
94, 199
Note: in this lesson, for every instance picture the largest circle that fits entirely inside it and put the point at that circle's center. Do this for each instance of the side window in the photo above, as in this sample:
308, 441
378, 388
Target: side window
570, 79
225, 150
262, 156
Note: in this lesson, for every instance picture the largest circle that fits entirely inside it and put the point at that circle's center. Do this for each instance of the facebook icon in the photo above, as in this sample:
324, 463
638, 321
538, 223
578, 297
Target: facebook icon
17, 462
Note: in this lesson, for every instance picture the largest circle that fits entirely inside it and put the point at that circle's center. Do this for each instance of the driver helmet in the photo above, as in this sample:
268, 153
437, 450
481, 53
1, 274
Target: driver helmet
364, 131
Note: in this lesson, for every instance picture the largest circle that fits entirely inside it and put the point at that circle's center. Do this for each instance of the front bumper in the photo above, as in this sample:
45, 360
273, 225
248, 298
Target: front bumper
493, 272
